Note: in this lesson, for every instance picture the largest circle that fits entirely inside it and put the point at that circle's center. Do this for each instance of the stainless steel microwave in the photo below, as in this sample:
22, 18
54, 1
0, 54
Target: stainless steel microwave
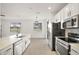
68, 23
75, 21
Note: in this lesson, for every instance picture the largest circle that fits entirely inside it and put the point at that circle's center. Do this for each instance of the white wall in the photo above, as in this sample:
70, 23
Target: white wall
19, 13
40, 34
26, 27
0, 8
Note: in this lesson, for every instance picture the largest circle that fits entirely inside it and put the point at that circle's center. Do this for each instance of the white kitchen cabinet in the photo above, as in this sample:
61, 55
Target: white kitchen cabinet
18, 48
7, 50
23, 45
57, 17
74, 9
27, 41
70, 10
65, 13
13, 45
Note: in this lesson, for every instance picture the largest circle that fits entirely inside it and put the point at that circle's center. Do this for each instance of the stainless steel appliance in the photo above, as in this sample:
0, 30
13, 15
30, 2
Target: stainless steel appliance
72, 22
63, 44
54, 29
73, 37
75, 21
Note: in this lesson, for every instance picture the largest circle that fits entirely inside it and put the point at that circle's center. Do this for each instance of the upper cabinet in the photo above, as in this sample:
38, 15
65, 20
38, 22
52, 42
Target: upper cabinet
57, 17
74, 9
70, 10
71, 15
67, 12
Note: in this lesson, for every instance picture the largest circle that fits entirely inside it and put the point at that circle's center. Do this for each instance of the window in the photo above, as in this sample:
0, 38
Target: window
15, 27
37, 26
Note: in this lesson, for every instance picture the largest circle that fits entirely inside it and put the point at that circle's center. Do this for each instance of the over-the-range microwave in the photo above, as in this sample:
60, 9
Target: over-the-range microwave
73, 22
67, 23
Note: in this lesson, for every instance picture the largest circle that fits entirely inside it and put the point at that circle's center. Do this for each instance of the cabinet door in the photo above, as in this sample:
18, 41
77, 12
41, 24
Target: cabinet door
23, 45
18, 49
27, 41
74, 9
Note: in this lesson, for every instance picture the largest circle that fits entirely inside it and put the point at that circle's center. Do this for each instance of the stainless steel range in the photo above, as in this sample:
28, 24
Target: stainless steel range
63, 44
73, 37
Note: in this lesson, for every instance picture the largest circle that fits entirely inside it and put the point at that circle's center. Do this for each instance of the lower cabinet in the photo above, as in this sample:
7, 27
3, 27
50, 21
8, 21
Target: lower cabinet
18, 47
23, 45
7, 51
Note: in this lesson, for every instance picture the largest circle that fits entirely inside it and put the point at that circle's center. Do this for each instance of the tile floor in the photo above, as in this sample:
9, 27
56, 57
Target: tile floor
38, 47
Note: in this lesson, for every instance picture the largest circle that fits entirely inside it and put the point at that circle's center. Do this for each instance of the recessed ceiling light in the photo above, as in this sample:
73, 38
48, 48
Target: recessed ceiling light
49, 8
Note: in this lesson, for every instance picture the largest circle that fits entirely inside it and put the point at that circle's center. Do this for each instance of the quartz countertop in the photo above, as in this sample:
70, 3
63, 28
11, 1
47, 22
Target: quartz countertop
75, 45
6, 41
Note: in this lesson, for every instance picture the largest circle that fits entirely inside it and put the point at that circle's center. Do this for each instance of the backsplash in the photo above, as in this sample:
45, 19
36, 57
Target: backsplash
71, 31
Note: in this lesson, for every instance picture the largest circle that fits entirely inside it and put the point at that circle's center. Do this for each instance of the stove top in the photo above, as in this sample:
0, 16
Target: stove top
69, 40
72, 38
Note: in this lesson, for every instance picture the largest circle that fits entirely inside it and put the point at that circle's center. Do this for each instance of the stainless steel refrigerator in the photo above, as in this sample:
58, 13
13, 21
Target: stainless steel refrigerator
53, 29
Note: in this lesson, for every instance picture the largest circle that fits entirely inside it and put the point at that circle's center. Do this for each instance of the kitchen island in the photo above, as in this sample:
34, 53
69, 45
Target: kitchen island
13, 45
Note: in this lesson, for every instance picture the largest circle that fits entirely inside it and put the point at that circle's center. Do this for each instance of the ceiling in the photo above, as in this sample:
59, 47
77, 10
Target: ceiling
31, 10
